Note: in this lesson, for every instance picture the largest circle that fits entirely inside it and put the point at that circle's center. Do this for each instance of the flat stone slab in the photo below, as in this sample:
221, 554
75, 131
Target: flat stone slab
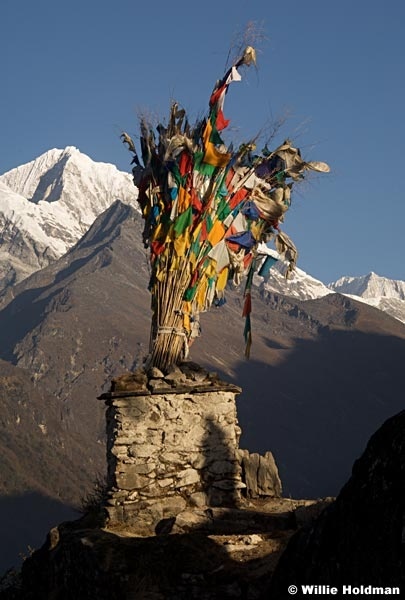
188, 377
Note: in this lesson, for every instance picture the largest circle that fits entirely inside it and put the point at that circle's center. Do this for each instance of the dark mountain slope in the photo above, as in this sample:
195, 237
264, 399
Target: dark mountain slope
75, 324
323, 374
357, 540
36, 452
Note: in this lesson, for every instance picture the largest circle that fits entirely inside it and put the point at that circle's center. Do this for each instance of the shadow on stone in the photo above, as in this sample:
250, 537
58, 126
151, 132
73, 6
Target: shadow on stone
221, 473
92, 563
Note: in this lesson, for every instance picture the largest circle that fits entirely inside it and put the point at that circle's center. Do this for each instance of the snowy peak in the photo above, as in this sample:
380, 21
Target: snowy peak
71, 178
48, 204
370, 286
30, 180
385, 294
300, 285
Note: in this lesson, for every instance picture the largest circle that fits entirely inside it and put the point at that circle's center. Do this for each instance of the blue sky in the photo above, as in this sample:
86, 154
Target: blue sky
79, 72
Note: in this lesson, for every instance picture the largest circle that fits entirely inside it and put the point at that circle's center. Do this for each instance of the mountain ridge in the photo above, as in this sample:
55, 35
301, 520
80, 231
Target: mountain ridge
72, 314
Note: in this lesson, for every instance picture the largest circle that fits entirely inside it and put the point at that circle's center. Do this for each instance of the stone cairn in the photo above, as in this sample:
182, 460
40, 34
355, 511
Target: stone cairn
173, 445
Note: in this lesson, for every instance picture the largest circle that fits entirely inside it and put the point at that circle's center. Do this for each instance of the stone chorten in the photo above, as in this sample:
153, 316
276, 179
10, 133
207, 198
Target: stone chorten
172, 445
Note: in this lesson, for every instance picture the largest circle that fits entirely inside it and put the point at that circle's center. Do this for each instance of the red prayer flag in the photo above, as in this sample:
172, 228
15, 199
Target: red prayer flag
247, 307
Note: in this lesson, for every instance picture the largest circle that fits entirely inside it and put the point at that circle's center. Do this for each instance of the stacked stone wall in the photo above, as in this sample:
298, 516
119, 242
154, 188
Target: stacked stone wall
171, 449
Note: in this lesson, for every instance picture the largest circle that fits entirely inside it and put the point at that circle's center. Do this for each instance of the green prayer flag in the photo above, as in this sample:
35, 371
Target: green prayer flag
174, 169
223, 209
183, 221
190, 293
208, 223
201, 167
195, 246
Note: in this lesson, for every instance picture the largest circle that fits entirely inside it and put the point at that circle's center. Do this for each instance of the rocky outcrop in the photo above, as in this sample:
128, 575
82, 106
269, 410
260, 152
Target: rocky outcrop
260, 474
358, 539
234, 558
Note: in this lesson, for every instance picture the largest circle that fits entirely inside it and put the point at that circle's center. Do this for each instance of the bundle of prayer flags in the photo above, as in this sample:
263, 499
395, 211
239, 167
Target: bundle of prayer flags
207, 208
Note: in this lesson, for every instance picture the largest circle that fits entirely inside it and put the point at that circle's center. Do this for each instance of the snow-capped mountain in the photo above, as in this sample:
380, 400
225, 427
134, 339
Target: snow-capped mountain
300, 285
385, 294
47, 205
370, 286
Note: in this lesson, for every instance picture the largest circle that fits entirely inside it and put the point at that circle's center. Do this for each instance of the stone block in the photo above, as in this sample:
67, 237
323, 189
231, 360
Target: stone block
196, 433
190, 520
154, 419
165, 482
143, 450
131, 413
174, 440
144, 468
131, 480
175, 375
268, 480
198, 499
198, 460
172, 505
175, 459
188, 477
155, 436
228, 484
138, 402
138, 436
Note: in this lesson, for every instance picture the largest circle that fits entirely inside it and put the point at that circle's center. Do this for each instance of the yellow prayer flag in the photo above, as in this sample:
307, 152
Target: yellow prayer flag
158, 231
211, 270
217, 233
201, 293
197, 231
222, 279
181, 243
186, 322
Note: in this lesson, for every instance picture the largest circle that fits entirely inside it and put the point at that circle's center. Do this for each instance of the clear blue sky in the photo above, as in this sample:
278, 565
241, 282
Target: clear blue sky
78, 73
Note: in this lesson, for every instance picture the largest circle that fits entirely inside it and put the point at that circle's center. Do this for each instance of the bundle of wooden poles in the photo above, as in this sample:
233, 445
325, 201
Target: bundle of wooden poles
169, 341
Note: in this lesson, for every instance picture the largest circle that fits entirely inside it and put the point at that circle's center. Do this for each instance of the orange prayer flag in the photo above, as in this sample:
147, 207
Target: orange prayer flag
217, 233
212, 156
184, 200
